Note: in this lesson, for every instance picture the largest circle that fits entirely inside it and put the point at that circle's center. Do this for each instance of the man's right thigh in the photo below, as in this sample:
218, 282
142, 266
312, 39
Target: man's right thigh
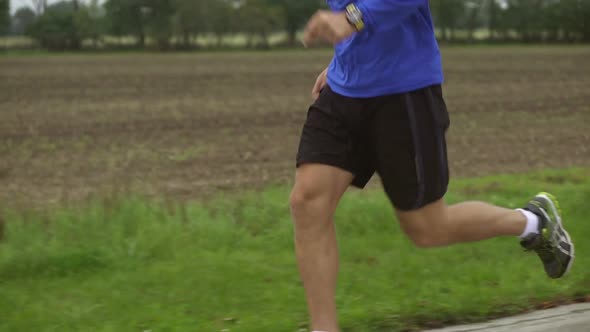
334, 134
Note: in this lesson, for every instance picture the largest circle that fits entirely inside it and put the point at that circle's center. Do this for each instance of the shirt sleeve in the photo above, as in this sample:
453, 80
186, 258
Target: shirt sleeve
386, 14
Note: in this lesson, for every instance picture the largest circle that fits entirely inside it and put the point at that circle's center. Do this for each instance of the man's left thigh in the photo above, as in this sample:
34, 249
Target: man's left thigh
410, 147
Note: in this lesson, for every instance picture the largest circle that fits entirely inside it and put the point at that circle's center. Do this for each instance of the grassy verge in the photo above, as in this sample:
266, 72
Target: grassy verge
132, 265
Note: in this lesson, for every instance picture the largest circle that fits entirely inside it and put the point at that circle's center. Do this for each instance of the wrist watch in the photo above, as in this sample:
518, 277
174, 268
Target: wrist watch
355, 17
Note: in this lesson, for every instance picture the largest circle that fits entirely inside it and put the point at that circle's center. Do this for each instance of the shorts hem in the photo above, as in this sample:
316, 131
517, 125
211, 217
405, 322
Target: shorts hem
358, 181
422, 204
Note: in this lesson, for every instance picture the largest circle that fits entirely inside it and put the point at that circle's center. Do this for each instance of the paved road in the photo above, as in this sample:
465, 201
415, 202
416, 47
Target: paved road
571, 318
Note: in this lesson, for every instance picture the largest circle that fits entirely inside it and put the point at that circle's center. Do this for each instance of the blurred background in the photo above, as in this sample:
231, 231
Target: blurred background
194, 24
147, 148
158, 96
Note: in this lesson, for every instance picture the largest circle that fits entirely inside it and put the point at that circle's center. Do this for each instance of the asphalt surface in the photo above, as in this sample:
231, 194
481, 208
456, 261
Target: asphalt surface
571, 318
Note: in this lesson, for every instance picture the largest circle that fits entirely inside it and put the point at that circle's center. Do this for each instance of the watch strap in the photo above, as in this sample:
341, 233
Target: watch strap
355, 17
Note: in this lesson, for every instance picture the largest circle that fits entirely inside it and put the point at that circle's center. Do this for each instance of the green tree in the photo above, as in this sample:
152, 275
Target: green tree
127, 17
473, 17
22, 20
80, 23
296, 13
582, 24
159, 21
258, 18
447, 14
62, 26
4, 16
525, 17
141, 18
95, 22
575, 14
190, 19
494, 10
223, 17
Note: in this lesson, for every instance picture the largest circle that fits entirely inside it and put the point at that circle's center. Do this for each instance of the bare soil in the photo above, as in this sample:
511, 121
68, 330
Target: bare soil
187, 126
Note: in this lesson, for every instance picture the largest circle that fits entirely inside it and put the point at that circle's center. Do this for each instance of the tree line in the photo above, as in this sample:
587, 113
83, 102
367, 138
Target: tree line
167, 24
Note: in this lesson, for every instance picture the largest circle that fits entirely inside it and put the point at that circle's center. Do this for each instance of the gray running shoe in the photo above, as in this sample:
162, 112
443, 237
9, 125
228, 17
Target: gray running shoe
553, 244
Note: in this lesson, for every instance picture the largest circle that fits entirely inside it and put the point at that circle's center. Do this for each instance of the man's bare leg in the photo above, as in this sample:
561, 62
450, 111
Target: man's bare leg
317, 191
440, 225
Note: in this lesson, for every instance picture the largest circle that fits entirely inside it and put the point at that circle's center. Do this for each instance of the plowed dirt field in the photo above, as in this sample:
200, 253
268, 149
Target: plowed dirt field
187, 126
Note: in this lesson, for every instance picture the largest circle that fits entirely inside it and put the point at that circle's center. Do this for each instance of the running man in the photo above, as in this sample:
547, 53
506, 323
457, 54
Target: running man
379, 108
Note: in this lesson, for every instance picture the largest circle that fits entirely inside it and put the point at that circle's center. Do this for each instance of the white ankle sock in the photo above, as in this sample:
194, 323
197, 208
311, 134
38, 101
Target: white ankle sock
532, 223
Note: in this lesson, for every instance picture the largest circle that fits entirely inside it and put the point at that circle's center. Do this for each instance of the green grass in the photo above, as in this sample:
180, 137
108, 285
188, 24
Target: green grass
227, 265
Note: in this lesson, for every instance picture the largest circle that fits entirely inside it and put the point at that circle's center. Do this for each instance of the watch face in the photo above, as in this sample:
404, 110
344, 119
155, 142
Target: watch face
354, 15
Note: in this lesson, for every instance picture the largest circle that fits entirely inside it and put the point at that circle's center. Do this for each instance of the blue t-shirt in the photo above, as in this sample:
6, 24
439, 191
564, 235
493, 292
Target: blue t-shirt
396, 52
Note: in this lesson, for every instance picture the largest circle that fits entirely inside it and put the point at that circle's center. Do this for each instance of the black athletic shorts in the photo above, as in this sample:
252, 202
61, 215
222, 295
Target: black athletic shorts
400, 136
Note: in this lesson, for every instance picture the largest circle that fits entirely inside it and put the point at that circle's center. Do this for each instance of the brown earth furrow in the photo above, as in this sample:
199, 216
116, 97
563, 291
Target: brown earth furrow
191, 126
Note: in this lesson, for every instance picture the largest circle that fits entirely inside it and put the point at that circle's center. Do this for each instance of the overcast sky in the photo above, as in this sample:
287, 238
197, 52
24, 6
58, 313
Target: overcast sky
16, 4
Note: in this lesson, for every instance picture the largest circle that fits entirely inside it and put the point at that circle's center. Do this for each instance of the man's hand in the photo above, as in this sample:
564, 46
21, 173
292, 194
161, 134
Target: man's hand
320, 83
325, 25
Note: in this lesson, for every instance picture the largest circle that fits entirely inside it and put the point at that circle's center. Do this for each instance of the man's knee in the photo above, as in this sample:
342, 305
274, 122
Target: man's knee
424, 240
422, 236
309, 205
426, 228
300, 199
316, 193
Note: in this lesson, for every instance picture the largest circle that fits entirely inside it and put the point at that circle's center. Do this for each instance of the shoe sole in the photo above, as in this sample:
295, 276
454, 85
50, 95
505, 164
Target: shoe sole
554, 204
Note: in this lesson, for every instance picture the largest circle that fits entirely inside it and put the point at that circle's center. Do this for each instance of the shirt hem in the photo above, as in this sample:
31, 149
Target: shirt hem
381, 91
